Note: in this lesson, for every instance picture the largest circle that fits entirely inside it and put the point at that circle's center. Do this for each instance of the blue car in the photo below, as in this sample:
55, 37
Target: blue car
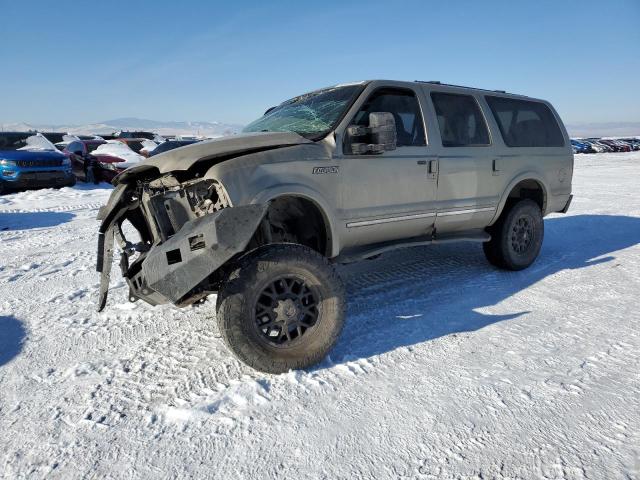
580, 147
29, 160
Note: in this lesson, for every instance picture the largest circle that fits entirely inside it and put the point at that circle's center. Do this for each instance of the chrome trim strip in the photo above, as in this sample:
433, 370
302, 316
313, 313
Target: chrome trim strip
446, 213
466, 211
364, 223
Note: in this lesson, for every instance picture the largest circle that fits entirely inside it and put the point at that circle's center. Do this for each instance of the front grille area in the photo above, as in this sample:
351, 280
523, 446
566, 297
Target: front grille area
39, 163
42, 176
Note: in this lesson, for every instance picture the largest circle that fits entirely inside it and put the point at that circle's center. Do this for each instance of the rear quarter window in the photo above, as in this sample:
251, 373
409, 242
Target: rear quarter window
524, 123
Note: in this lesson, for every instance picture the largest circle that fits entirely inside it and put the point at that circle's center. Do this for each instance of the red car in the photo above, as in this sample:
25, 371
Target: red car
617, 146
89, 167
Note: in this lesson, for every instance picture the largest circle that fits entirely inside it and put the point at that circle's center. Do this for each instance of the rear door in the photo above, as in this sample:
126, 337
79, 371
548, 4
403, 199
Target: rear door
467, 194
390, 195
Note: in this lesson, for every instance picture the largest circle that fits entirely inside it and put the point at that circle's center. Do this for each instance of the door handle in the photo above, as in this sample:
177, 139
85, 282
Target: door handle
422, 162
432, 170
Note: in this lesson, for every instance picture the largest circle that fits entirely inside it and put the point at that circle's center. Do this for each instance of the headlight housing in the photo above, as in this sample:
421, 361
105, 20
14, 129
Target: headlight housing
8, 163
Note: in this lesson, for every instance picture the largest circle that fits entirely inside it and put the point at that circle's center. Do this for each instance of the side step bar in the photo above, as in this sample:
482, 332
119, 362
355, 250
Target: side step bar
369, 251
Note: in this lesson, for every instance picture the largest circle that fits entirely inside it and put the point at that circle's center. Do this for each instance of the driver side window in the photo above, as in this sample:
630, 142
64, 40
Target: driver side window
404, 107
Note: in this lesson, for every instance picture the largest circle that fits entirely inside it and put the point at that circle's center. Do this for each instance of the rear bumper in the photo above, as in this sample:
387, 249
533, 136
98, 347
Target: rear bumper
567, 205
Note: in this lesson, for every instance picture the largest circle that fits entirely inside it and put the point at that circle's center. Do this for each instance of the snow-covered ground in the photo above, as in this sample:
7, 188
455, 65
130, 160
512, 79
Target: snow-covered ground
447, 367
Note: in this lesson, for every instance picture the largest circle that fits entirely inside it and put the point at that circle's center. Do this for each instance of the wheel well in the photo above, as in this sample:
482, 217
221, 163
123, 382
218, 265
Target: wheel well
293, 219
531, 189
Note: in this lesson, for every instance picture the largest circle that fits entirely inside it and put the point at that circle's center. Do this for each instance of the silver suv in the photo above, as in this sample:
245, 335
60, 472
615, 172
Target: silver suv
332, 176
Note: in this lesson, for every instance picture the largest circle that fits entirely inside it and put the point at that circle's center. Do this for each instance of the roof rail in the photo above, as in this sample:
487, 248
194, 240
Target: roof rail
436, 82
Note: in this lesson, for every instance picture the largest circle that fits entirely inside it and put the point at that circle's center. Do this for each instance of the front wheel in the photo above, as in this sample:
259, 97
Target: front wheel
281, 308
516, 238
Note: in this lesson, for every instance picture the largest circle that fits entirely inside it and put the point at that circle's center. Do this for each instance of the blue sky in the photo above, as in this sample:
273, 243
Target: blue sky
79, 62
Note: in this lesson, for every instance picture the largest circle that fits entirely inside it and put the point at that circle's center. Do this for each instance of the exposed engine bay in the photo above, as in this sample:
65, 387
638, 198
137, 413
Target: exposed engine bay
171, 204
186, 232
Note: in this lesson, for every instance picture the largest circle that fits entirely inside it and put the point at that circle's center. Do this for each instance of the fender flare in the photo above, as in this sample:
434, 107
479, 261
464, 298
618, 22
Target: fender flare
315, 197
529, 175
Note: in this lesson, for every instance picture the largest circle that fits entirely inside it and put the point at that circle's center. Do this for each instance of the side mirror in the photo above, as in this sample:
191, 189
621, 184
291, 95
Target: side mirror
378, 137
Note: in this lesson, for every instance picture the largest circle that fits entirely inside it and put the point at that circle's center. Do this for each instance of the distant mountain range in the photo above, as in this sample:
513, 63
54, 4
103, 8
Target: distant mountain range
218, 129
207, 129
610, 129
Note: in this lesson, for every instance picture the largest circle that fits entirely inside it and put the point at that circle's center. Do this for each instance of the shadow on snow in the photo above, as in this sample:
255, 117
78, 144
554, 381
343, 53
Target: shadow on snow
412, 296
28, 220
12, 336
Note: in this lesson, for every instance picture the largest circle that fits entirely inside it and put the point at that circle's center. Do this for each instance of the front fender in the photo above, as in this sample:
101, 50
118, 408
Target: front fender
303, 191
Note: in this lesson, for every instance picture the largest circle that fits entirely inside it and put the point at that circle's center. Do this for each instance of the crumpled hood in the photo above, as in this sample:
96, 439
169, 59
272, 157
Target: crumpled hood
184, 158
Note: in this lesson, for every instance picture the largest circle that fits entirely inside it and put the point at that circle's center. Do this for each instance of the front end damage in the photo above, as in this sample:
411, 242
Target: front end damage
187, 232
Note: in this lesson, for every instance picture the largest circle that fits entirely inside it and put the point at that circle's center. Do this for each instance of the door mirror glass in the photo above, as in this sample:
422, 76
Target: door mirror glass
380, 136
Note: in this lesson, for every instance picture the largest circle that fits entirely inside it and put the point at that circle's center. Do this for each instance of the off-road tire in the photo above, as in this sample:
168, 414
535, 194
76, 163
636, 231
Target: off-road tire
243, 289
510, 248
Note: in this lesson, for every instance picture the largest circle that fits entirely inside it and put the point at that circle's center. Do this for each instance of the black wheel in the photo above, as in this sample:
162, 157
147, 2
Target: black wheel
516, 238
3, 189
281, 308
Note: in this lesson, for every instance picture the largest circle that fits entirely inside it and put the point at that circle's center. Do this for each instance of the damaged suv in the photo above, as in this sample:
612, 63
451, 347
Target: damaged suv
332, 176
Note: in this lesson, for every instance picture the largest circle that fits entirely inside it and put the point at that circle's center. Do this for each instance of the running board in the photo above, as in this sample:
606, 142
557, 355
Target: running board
376, 249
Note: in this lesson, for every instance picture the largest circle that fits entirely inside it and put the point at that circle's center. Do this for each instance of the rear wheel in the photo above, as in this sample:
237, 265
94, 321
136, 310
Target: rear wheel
516, 238
281, 308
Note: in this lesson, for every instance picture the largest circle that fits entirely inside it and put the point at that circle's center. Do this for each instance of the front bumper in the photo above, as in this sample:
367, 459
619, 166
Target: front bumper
37, 178
177, 269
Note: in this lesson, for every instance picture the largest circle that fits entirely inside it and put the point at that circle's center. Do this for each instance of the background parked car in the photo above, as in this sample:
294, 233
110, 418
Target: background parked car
615, 146
135, 144
148, 146
136, 135
595, 146
170, 145
120, 150
92, 168
29, 160
581, 147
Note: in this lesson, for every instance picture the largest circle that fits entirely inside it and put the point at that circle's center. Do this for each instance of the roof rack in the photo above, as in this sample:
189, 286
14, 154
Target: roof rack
437, 82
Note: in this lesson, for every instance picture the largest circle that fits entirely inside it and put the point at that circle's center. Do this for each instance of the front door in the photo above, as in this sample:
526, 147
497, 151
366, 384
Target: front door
390, 195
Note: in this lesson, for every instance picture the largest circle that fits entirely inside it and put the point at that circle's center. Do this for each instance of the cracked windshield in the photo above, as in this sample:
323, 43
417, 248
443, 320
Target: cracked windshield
309, 115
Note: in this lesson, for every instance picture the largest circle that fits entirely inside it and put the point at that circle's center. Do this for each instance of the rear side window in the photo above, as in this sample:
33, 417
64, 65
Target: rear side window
525, 124
460, 120
75, 147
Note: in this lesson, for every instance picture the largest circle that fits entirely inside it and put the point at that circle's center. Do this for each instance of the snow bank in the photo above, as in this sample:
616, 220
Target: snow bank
118, 149
38, 142
148, 146
447, 368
